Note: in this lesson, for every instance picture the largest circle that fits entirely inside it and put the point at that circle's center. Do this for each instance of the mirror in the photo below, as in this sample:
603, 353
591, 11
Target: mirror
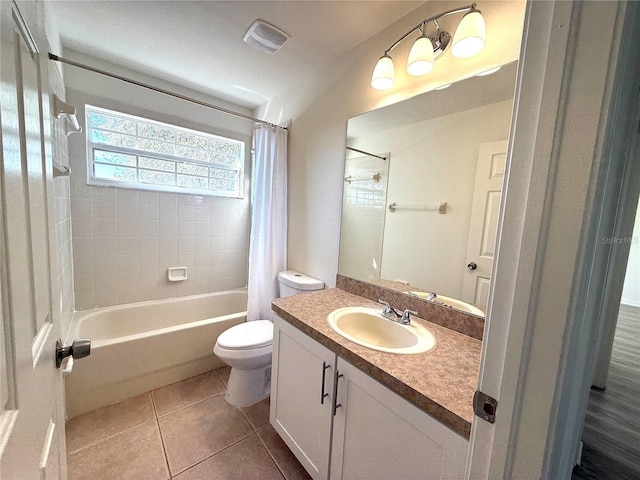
423, 179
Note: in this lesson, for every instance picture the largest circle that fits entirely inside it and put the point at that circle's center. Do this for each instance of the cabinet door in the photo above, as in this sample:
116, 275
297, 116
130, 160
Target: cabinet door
300, 408
379, 435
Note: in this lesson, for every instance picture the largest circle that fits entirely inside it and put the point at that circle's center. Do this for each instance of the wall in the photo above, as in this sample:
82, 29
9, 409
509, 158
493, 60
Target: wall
631, 290
434, 161
319, 109
123, 239
62, 263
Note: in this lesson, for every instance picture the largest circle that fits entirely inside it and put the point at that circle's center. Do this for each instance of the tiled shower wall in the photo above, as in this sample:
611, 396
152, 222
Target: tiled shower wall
124, 240
62, 208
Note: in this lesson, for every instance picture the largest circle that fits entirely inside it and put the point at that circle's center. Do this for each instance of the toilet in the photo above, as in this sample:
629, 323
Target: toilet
247, 347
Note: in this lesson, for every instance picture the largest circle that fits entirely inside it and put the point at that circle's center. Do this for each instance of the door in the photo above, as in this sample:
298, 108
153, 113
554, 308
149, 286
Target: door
379, 435
484, 222
31, 412
301, 400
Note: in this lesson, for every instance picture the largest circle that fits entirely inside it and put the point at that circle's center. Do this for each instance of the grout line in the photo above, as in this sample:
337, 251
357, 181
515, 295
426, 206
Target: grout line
190, 405
93, 444
164, 448
273, 459
214, 454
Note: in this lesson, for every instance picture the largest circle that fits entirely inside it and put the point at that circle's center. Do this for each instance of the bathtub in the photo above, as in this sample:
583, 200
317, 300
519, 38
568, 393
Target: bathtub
138, 347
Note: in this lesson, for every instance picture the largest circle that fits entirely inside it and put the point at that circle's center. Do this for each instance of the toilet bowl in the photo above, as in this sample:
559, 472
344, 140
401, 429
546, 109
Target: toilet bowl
247, 347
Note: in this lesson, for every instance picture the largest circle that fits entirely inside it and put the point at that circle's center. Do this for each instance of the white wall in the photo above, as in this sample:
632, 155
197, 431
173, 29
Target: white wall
631, 290
433, 161
124, 240
320, 108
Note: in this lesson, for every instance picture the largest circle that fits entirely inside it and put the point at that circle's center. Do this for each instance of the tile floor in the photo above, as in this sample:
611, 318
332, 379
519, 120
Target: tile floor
184, 431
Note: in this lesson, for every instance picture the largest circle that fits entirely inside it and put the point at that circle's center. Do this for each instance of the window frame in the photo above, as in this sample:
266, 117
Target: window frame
92, 146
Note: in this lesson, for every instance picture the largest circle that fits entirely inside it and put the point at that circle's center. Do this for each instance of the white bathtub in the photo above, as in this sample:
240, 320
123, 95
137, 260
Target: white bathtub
138, 347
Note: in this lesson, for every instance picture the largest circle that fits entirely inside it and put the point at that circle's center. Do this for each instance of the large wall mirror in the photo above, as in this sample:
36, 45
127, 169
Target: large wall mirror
423, 180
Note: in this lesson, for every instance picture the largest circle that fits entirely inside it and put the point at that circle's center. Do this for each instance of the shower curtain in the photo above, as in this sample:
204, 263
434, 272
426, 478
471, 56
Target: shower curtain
268, 240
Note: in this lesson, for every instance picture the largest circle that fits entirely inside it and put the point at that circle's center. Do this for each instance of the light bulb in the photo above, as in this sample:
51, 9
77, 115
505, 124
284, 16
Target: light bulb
420, 61
470, 35
384, 75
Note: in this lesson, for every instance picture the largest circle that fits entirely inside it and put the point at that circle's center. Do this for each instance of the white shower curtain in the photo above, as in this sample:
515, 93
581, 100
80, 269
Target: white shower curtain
268, 241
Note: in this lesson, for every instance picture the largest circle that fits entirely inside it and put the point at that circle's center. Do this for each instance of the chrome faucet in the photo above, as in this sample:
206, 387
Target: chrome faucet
406, 319
392, 314
431, 297
389, 312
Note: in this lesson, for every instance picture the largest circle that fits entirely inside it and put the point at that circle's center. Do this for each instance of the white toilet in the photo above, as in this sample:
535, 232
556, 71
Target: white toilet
247, 347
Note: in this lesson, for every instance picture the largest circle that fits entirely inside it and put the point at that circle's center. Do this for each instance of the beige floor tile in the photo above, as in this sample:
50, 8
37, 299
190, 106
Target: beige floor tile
132, 455
286, 461
92, 427
182, 394
246, 460
224, 375
258, 414
194, 433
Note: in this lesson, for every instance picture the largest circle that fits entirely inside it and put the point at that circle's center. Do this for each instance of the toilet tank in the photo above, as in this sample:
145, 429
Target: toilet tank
292, 283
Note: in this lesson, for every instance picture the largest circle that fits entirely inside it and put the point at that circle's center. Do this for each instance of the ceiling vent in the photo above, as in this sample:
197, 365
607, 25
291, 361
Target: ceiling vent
265, 37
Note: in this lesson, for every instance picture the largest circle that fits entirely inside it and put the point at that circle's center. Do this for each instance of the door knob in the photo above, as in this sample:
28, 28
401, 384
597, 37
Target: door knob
472, 265
80, 348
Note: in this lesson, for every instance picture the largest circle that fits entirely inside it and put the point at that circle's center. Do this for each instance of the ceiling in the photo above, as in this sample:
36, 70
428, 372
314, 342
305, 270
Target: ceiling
199, 44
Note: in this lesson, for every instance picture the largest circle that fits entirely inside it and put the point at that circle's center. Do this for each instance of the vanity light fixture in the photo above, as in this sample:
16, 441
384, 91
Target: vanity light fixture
468, 40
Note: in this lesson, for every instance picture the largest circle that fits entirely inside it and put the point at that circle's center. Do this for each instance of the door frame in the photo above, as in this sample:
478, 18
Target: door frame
559, 153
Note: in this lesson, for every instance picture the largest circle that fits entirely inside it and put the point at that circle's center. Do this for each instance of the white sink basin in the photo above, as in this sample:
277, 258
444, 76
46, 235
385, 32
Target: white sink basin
366, 327
452, 302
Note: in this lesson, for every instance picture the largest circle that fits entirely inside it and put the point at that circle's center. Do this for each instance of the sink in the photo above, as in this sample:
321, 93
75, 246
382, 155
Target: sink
452, 302
366, 327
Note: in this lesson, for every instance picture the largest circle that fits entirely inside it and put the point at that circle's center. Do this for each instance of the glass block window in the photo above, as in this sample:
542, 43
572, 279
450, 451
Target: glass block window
134, 152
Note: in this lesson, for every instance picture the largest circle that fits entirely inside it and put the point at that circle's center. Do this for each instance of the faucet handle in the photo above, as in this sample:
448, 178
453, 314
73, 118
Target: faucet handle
406, 318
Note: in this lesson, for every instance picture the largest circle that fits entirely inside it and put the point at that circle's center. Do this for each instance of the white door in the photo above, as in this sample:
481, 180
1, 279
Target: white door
31, 409
484, 222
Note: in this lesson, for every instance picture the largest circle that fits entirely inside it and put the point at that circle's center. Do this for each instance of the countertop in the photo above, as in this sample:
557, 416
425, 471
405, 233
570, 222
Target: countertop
441, 382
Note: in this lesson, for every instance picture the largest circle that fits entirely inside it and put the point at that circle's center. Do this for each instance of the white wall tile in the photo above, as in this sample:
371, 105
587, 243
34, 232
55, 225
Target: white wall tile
126, 210
149, 211
149, 228
185, 244
128, 263
149, 245
168, 229
128, 245
168, 245
149, 261
168, 213
104, 209
186, 213
104, 228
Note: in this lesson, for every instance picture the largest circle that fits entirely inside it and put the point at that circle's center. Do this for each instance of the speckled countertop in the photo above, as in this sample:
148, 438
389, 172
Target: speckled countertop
441, 382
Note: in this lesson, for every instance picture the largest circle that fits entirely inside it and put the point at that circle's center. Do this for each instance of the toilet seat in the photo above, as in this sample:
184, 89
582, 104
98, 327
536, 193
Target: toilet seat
247, 336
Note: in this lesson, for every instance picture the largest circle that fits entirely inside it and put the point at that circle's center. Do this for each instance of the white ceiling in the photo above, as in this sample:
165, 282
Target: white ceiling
199, 44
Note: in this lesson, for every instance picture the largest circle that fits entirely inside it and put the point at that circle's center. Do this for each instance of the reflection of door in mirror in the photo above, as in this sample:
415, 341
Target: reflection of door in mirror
484, 222
363, 214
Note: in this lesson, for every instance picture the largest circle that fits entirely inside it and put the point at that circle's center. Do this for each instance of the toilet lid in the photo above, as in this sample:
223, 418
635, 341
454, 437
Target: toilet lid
258, 333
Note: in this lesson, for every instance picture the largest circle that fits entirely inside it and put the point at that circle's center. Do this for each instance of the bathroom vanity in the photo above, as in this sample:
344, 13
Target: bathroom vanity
347, 411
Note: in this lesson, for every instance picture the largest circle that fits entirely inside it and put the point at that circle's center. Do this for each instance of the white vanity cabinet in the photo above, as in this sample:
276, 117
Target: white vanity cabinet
365, 432
301, 408
379, 435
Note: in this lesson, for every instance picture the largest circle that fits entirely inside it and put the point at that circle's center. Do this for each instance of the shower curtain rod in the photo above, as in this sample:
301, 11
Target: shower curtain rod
56, 58
366, 153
